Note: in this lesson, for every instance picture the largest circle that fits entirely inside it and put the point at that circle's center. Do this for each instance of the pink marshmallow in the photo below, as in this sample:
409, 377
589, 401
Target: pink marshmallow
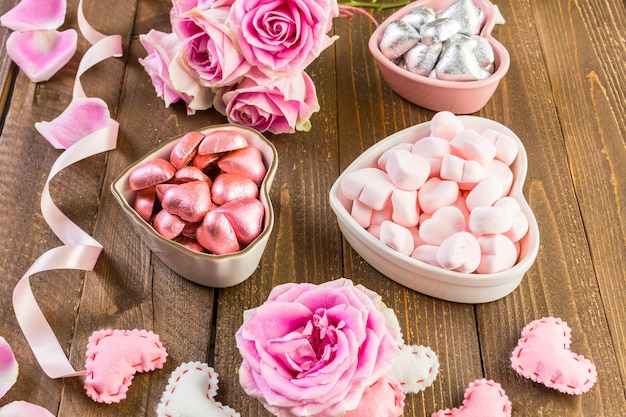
444, 222
519, 228
382, 160
361, 213
489, 220
396, 237
379, 216
502, 172
498, 254
405, 208
460, 252
433, 149
486, 193
445, 124
506, 146
374, 230
426, 253
406, 170
471, 145
369, 185
437, 193
466, 173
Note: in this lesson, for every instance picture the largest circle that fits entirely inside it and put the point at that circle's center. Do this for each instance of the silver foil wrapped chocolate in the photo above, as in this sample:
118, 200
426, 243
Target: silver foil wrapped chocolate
458, 61
439, 30
398, 38
419, 16
422, 58
466, 14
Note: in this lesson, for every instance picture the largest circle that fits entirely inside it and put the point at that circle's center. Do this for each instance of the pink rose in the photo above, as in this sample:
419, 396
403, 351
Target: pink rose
313, 350
282, 36
208, 51
279, 106
169, 79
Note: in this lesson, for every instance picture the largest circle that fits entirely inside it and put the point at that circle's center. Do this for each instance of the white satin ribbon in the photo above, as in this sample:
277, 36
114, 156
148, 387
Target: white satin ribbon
79, 251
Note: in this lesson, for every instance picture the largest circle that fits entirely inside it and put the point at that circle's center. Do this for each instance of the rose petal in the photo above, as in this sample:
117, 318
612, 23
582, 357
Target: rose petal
23, 408
82, 117
30, 15
8, 367
41, 53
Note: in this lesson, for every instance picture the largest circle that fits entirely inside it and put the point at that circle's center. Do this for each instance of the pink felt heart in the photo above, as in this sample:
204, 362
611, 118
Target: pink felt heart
113, 357
190, 392
543, 355
483, 398
41, 53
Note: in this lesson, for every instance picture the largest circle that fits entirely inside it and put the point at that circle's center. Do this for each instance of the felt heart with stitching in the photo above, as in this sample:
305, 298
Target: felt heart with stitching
484, 398
113, 357
190, 392
415, 369
543, 354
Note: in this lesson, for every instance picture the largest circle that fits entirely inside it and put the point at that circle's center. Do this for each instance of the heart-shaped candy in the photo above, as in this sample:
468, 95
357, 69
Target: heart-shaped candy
543, 355
216, 234
220, 141
113, 357
483, 398
247, 162
246, 217
190, 201
444, 222
190, 392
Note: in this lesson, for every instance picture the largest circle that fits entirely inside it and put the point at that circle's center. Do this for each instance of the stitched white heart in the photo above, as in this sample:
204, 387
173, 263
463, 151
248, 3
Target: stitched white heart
415, 369
190, 392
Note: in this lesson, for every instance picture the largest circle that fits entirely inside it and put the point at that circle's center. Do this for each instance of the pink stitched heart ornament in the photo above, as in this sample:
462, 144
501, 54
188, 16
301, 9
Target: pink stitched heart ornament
483, 398
415, 369
543, 354
190, 392
113, 357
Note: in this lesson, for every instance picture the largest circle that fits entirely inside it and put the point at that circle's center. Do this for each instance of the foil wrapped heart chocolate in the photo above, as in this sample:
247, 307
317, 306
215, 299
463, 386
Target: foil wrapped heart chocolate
453, 63
201, 202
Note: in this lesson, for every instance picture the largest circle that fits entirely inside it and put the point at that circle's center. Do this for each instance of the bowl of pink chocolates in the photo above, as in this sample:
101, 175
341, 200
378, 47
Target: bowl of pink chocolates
440, 55
438, 207
201, 202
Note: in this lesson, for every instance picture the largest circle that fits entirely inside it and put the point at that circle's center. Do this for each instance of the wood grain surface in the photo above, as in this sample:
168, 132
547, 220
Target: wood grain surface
564, 96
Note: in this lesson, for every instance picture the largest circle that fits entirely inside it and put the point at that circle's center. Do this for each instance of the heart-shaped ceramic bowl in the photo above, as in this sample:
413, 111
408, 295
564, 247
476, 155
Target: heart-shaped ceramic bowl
205, 269
459, 97
422, 277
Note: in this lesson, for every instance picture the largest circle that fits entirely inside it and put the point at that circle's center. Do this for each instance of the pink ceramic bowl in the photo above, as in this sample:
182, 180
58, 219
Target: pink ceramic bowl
202, 268
459, 97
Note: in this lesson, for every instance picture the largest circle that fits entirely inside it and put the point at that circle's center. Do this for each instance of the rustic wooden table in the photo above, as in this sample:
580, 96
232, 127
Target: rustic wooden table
563, 96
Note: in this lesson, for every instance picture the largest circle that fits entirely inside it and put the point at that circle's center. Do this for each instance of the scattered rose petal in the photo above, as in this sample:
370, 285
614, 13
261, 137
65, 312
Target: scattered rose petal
82, 117
22, 409
30, 15
8, 367
41, 53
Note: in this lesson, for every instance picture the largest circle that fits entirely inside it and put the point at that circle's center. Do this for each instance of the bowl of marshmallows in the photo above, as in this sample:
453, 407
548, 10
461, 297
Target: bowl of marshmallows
440, 55
438, 207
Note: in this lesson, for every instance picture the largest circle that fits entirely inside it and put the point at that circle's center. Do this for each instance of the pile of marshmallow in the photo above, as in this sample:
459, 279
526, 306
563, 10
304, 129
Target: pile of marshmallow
206, 196
444, 198
444, 45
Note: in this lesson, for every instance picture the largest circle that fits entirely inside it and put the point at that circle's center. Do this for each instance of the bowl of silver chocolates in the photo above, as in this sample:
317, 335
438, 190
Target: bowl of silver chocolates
440, 55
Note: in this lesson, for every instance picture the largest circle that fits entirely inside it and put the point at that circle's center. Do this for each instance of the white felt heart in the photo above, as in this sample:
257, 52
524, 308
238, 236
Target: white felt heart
415, 369
113, 358
190, 392
41, 53
483, 398
543, 355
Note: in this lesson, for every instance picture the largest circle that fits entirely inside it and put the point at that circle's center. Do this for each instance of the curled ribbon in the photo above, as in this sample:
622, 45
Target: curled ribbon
79, 250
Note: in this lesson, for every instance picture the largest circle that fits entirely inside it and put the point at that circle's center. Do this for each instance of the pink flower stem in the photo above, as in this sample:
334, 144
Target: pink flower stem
348, 12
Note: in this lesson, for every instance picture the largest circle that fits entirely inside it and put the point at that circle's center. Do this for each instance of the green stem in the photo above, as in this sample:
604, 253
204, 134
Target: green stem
372, 4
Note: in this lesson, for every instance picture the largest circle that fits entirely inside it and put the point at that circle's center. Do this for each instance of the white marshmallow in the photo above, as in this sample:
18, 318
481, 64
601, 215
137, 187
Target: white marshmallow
498, 254
445, 124
427, 254
405, 208
406, 170
490, 220
486, 193
437, 193
444, 222
471, 145
361, 213
460, 252
382, 160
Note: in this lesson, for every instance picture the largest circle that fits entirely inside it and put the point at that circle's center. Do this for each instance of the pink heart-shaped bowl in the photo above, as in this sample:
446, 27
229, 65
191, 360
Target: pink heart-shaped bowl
203, 268
420, 276
459, 97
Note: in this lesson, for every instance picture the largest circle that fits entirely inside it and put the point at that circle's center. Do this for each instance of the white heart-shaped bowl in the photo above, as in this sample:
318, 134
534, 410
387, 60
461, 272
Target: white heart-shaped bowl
459, 97
422, 277
205, 269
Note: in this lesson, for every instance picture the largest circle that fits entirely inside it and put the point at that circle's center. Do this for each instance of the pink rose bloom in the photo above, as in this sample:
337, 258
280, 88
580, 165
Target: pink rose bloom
282, 36
207, 50
278, 106
313, 350
170, 80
